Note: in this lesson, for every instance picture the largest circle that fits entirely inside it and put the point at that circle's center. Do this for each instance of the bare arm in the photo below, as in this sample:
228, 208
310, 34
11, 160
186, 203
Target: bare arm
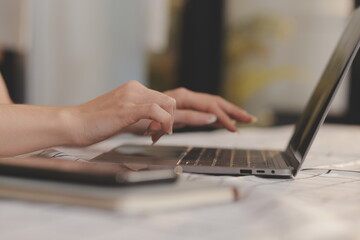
26, 128
128, 108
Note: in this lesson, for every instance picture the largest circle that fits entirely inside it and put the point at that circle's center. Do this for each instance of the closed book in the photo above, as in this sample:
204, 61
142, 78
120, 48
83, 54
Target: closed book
128, 200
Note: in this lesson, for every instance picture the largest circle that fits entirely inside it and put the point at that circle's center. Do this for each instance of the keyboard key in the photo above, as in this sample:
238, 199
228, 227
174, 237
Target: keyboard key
207, 157
256, 159
240, 158
191, 157
270, 158
224, 158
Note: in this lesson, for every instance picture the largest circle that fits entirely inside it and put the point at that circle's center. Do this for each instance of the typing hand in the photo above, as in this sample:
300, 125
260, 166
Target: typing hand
197, 109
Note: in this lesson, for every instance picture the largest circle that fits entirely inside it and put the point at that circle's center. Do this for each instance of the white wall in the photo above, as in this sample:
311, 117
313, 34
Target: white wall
12, 19
81, 49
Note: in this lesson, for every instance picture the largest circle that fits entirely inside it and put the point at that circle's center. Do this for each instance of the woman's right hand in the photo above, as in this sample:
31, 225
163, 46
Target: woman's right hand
110, 113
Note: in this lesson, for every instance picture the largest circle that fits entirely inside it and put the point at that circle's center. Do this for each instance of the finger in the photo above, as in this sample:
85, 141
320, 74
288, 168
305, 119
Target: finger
202, 102
164, 101
223, 118
139, 94
220, 125
209, 104
138, 128
193, 118
182, 118
153, 127
236, 112
155, 131
154, 112
186, 118
179, 125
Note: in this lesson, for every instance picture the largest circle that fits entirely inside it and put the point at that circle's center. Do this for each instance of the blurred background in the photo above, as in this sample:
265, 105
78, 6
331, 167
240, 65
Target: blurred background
265, 56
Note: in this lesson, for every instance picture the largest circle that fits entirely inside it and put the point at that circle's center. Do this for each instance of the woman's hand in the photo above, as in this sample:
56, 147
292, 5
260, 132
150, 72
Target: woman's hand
193, 105
109, 114
196, 109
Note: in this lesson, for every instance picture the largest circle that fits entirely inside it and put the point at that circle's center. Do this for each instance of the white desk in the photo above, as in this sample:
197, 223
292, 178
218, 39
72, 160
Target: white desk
317, 204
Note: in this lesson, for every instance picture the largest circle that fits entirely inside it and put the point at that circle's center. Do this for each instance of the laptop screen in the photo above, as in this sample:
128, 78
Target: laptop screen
318, 105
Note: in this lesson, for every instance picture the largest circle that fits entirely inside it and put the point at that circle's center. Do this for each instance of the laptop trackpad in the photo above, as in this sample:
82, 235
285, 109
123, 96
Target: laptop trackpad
142, 154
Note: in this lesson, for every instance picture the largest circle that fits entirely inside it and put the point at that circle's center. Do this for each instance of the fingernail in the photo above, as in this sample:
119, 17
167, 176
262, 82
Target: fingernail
253, 119
212, 119
170, 132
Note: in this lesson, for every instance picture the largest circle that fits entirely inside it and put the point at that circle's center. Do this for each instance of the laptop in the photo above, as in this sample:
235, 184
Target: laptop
255, 162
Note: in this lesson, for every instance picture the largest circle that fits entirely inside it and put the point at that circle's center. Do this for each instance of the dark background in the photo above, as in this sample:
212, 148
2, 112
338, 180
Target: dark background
12, 69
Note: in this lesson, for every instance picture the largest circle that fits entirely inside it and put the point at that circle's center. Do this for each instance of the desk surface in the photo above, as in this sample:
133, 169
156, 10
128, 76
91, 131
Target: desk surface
317, 204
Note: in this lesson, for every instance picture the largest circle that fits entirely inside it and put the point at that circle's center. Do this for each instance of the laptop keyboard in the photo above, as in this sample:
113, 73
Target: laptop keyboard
232, 158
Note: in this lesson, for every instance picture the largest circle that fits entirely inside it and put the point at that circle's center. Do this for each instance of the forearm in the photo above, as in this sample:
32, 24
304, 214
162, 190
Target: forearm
26, 128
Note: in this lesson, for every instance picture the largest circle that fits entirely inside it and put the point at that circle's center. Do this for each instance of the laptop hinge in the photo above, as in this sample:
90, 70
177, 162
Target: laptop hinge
292, 160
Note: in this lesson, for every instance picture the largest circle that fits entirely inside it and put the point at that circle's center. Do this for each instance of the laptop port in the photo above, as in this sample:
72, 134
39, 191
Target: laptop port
260, 171
245, 171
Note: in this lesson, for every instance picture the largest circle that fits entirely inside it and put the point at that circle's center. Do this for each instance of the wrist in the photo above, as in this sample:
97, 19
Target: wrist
69, 126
